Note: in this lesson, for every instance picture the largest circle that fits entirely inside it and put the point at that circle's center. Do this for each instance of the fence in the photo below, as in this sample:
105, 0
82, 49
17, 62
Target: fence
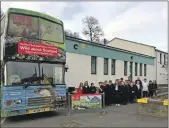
78, 102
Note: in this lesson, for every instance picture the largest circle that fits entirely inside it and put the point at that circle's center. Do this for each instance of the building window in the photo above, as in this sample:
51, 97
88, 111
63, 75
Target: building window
160, 58
125, 68
140, 69
106, 63
145, 70
93, 65
136, 69
164, 59
113, 66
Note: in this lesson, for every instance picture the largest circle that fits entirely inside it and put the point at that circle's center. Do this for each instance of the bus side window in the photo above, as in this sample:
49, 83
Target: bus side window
2, 24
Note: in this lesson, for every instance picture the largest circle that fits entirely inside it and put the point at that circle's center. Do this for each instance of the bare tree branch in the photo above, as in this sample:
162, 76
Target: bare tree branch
92, 29
72, 34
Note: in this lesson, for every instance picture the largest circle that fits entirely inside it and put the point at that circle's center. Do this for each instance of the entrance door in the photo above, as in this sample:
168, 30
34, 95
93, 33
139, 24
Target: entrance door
131, 71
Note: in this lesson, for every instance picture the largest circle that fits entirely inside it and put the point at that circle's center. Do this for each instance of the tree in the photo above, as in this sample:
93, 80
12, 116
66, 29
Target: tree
76, 35
68, 33
104, 41
72, 34
92, 29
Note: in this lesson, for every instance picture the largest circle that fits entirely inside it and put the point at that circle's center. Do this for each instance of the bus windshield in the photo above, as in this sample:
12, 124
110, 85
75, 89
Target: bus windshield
35, 27
22, 73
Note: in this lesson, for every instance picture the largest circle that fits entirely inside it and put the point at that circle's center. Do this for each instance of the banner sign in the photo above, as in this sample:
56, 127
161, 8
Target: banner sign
37, 49
86, 101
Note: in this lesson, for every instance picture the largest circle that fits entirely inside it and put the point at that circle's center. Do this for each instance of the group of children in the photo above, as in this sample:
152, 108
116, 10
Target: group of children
121, 92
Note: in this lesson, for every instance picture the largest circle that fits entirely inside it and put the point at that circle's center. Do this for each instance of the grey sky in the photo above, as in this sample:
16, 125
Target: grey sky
143, 22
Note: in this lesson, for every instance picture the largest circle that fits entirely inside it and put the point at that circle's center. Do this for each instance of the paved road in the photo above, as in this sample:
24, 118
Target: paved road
123, 116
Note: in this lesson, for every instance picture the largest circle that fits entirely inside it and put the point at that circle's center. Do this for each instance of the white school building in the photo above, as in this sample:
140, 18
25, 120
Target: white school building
120, 58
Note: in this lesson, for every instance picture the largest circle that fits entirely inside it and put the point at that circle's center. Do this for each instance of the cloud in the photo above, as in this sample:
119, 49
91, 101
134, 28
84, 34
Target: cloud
51, 8
144, 22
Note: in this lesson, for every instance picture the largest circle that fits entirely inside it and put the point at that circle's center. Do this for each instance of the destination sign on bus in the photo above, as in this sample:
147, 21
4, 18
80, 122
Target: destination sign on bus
37, 49
22, 19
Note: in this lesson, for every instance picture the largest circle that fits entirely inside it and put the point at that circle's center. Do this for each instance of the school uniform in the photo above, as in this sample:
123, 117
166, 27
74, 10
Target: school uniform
102, 90
124, 96
92, 89
132, 93
86, 90
113, 94
145, 89
150, 90
139, 82
138, 90
118, 94
107, 94
110, 93
155, 89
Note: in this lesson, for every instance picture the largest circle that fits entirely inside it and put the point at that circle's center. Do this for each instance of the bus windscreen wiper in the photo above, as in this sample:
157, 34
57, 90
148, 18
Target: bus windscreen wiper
30, 80
46, 78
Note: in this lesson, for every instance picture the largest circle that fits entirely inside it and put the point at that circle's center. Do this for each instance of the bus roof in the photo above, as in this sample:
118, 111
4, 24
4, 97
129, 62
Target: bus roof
34, 13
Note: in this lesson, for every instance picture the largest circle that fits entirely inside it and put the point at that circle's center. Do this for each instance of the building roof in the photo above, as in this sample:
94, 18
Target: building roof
131, 42
161, 51
103, 45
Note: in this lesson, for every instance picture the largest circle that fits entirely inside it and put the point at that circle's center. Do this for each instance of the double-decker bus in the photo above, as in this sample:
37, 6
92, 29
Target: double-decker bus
33, 59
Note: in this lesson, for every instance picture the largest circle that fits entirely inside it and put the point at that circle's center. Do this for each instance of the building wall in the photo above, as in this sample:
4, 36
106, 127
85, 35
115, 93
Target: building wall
132, 46
162, 73
80, 70
105, 51
79, 61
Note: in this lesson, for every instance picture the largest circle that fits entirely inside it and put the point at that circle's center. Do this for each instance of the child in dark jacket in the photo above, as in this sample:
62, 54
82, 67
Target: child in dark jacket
132, 92
92, 88
86, 89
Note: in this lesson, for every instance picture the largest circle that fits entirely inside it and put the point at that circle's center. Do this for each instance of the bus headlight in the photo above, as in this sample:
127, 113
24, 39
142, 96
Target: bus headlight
8, 103
17, 102
12, 102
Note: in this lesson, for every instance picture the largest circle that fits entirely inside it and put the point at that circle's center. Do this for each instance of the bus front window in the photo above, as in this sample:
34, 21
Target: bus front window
23, 26
36, 28
20, 73
50, 31
52, 74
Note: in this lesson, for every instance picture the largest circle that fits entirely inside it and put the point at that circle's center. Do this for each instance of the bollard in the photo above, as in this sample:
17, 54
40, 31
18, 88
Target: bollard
69, 105
103, 112
103, 96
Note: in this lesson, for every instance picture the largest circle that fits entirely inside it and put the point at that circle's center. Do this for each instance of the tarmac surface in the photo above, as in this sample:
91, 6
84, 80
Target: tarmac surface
122, 116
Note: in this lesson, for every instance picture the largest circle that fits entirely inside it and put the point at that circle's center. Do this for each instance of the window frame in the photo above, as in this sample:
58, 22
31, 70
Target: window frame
160, 58
145, 69
7, 74
39, 17
113, 63
95, 64
164, 59
58, 65
136, 69
125, 68
39, 73
141, 69
107, 66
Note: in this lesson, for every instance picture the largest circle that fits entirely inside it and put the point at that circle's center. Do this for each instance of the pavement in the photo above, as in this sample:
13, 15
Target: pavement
113, 116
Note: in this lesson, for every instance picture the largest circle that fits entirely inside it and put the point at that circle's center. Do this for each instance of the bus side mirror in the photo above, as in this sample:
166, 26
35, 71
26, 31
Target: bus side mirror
66, 68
